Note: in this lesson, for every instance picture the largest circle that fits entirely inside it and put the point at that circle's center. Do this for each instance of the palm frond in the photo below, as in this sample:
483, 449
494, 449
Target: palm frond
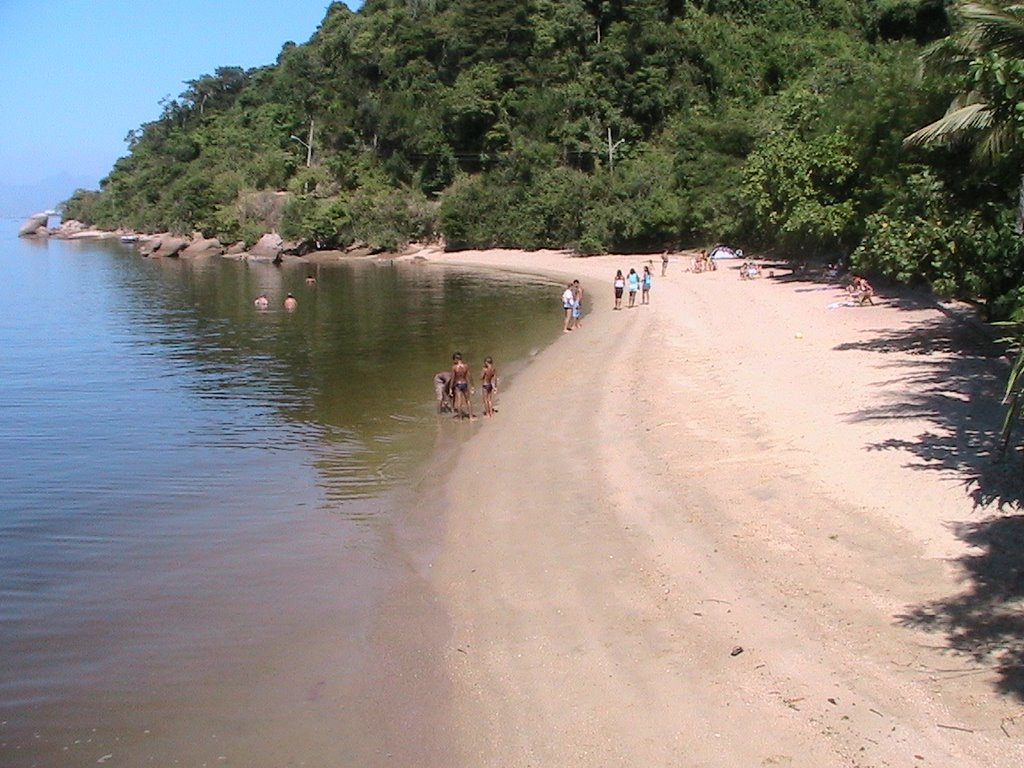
1009, 421
945, 55
956, 125
991, 29
1014, 398
995, 142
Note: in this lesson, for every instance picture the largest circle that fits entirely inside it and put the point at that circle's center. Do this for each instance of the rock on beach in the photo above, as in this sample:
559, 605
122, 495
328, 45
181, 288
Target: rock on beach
35, 226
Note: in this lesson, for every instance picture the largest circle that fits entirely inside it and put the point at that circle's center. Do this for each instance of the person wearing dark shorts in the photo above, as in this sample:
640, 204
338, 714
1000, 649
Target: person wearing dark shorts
620, 286
461, 387
489, 377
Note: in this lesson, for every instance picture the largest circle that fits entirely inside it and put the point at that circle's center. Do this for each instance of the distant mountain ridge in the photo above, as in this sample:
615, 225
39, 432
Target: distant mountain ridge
388, 111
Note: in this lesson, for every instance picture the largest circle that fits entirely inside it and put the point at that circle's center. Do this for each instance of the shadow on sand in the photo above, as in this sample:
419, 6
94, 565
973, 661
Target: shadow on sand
954, 379
986, 620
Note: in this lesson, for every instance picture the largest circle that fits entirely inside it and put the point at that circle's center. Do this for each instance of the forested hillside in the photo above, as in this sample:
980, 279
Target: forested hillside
599, 125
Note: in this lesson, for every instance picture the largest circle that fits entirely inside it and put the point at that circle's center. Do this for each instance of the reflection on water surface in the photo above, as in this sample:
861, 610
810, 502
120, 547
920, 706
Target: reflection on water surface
189, 483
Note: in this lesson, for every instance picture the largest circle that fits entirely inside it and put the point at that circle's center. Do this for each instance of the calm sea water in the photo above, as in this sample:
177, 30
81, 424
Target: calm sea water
196, 497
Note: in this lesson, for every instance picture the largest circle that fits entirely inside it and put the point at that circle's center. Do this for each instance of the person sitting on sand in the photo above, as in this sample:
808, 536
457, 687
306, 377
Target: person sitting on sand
489, 382
749, 270
461, 387
701, 262
290, 302
261, 301
443, 390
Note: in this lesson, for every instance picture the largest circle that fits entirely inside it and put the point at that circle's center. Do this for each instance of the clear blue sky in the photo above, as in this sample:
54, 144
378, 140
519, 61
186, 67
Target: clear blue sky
77, 75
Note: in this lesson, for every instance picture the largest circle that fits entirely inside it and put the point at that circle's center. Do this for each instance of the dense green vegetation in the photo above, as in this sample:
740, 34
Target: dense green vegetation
601, 125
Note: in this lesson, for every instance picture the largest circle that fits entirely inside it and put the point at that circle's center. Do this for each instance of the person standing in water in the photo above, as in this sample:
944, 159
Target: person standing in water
443, 390
489, 382
460, 386
290, 302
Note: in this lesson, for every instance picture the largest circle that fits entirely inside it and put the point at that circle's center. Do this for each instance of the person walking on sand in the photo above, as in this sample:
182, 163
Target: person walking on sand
634, 286
620, 286
577, 304
460, 387
567, 308
645, 286
489, 382
664, 262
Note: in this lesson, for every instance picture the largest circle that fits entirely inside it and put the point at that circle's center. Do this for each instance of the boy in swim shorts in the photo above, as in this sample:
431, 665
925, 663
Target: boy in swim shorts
460, 387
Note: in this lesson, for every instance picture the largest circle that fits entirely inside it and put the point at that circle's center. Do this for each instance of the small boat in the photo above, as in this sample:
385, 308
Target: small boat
129, 238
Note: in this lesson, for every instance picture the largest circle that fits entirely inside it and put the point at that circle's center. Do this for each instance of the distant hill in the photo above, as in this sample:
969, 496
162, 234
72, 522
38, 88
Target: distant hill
598, 126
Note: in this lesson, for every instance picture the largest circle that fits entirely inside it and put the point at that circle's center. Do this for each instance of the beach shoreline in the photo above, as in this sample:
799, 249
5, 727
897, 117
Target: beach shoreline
728, 528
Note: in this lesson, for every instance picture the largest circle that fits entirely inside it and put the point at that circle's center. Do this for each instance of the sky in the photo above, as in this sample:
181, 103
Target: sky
77, 75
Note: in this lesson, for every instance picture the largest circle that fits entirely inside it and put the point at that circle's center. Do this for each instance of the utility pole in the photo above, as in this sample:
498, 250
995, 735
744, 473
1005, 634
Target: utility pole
611, 150
307, 144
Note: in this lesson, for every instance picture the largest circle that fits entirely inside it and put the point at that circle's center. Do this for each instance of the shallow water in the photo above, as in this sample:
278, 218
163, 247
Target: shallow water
196, 497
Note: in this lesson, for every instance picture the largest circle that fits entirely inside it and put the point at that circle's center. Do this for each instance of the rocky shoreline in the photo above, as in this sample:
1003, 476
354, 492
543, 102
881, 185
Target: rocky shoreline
270, 247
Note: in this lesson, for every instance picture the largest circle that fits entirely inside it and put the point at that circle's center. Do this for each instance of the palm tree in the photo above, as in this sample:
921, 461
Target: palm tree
988, 50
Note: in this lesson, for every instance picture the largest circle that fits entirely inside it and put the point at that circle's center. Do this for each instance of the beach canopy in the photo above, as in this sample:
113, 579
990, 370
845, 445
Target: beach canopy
725, 252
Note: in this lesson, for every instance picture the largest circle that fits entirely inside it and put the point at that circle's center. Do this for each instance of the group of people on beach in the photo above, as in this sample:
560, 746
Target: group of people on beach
703, 262
454, 388
636, 282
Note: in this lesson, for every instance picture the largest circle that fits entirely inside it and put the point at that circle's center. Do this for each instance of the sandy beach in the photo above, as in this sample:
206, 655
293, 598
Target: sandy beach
739, 526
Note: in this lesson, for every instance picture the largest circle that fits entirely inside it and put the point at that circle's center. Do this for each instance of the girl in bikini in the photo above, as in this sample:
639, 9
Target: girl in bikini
489, 377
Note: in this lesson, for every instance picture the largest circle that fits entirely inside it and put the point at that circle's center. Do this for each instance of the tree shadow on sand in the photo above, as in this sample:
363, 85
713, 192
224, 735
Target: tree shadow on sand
954, 379
986, 620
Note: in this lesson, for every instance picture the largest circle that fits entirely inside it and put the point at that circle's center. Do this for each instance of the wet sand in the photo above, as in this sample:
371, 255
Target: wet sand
733, 527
